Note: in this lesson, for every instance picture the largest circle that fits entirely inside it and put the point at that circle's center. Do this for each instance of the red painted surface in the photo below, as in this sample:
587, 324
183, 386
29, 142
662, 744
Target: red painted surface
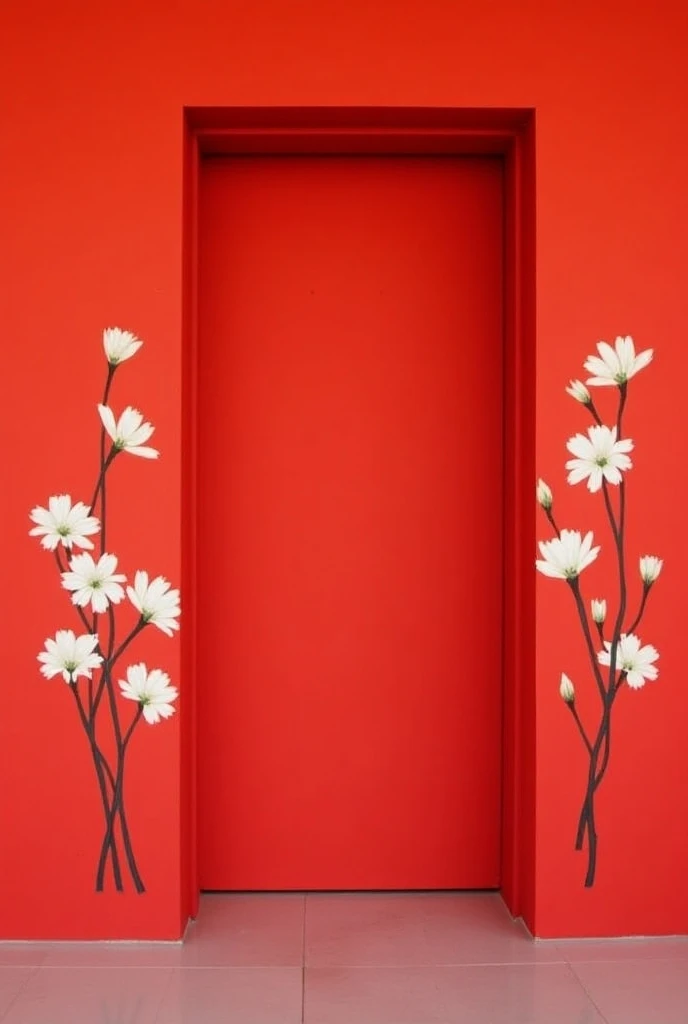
92, 189
350, 313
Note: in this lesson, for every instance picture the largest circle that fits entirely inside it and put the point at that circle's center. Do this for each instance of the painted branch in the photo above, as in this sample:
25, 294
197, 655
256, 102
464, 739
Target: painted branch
99, 763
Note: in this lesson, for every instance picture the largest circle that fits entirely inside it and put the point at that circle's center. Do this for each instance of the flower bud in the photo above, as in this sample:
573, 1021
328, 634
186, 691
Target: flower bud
578, 390
599, 611
566, 690
544, 495
650, 568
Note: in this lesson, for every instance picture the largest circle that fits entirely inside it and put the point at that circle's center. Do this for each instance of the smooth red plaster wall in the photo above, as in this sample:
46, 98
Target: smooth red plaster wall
91, 174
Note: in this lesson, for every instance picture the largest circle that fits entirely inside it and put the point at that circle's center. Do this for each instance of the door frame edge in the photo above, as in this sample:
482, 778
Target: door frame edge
506, 133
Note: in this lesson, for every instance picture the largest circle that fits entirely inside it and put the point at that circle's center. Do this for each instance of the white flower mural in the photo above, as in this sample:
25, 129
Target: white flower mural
636, 662
151, 691
578, 390
119, 345
650, 568
70, 656
602, 459
565, 557
599, 456
616, 366
155, 602
87, 662
64, 523
94, 583
129, 433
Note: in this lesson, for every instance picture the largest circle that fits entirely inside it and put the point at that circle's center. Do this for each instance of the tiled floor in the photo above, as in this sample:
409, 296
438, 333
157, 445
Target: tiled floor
349, 959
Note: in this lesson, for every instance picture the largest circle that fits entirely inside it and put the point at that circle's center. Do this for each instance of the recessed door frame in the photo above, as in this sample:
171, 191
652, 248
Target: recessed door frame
401, 131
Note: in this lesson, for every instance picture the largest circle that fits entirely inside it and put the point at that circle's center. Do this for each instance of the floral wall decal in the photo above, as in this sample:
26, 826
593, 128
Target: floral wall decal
90, 663
618, 659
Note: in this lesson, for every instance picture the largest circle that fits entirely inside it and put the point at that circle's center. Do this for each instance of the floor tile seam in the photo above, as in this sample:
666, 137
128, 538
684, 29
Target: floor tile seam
629, 960
603, 1019
303, 959
34, 969
435, 966
108, 967
167, 967
419, 1020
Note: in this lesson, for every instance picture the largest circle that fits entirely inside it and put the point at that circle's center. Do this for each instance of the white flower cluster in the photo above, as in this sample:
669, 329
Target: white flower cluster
600, 458
95, 583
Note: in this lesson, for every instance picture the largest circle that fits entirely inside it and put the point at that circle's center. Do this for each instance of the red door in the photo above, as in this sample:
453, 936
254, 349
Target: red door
350, 523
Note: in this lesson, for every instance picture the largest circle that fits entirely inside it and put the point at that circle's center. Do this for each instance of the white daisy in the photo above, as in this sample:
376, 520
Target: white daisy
650, 568
598, 456
155, 601
616, 365
129, 433
69, 656
63, 523
566, 556
151, 690
598, 610
632, 659
544, 494
566, 690
578, 390
119, 345
94, 582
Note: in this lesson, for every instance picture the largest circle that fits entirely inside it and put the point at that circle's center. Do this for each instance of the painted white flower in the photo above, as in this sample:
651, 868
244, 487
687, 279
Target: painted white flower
70, 656
578, 390
566, 556
151, 690
598, 456
63, 523
119, 345
94, 582
155, 601
598, 609
566, 690
544, 494
616, 365
631, 658
129, 433
650, 568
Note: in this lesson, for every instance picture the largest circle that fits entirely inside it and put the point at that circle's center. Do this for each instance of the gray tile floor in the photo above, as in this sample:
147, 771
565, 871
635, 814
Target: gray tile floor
348, 959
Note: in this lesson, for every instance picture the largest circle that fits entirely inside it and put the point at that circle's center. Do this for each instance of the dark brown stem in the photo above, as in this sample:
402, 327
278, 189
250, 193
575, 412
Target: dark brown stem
550, 516
594, 413
636, 621
101, 766
112, 454
576, 718
116, 809
594, 663
595, 776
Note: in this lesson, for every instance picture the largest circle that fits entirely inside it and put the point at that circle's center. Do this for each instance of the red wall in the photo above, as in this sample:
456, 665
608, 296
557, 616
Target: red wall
91, 167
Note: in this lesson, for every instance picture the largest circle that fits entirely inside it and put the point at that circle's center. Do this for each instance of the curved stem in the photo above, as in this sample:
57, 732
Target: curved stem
138, 628
606, 734
550, 516
594, 413
576, 718
101, 766
112, 454
636, 621
111, 659
116, 808
104, 463
595, 665
592, 845
126, 838
623, 395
